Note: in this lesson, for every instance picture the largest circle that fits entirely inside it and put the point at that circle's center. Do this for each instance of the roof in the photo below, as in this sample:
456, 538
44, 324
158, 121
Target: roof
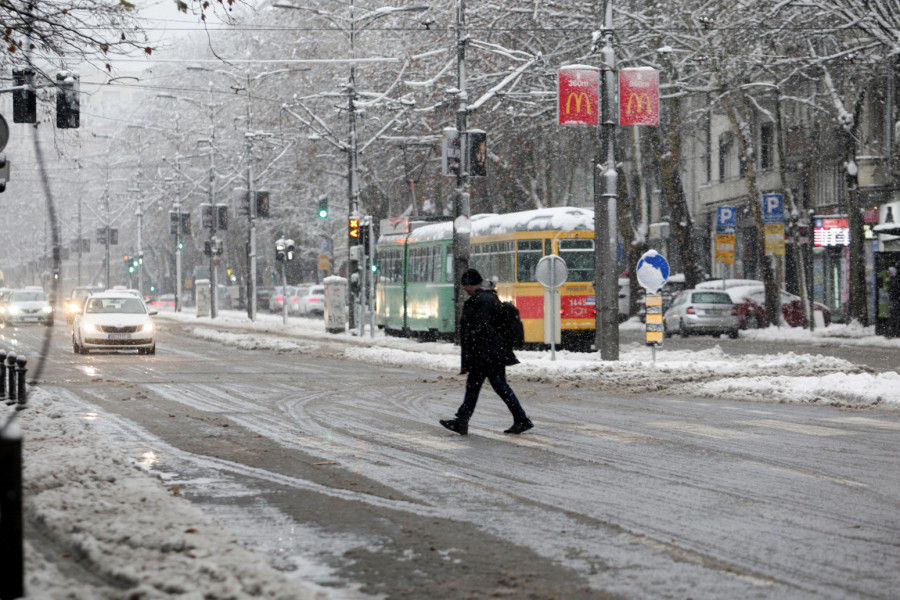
566, 218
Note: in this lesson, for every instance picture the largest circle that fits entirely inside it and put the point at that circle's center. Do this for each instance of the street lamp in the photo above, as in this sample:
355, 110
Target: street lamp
351, 26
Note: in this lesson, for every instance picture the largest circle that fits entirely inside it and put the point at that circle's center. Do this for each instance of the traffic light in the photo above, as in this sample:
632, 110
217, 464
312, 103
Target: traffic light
127, 260
323, 207
222, 217
477, 153
68, 105
354, 230
280, 249
24, 101
289, 249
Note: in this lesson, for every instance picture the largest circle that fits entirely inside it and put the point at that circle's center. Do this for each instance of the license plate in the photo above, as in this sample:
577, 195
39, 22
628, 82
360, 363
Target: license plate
119, 336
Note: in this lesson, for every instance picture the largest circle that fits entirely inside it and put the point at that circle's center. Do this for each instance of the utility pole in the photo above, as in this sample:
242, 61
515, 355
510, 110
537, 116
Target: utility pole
461, 203
606, 235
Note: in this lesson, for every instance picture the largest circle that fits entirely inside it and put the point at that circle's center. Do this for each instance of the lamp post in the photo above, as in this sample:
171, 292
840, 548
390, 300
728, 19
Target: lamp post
351, 27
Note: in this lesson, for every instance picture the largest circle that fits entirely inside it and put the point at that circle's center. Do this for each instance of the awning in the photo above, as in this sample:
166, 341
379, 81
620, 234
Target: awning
887, 229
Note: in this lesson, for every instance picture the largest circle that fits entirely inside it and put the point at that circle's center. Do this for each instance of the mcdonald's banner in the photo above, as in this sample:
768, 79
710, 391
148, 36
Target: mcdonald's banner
579, 95
639, 96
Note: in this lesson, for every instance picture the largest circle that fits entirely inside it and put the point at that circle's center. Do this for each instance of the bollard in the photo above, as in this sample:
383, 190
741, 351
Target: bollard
21, 369
12, 389
12, 584
2, 373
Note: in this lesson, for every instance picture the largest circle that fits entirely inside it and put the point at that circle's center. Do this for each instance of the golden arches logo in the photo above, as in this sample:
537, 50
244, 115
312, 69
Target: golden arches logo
642, 100
579, 97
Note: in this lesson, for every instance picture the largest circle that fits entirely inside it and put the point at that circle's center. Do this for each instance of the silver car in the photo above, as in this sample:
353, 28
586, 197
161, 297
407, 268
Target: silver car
114, 321
701, 312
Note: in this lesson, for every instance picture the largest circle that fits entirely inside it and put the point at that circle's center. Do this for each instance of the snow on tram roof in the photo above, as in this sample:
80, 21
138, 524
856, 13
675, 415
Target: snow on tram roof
565, 218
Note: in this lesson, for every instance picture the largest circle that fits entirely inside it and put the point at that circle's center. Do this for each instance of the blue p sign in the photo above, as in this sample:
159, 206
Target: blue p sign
726, 219
773, 209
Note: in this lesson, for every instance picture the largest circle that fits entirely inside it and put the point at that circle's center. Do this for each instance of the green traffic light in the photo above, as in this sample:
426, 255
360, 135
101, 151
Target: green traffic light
323, 213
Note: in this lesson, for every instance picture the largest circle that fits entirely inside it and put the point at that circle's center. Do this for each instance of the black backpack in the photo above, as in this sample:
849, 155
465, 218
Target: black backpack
511, 328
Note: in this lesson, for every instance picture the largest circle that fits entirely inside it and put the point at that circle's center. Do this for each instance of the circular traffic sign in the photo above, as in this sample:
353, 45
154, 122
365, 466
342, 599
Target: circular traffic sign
551, 271
652, 271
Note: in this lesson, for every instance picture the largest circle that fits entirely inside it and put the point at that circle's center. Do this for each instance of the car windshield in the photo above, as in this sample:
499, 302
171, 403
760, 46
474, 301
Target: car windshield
711, 298
115, 305
28, 297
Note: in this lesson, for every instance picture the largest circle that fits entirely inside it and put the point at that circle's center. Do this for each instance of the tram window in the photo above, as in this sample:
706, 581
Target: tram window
527, 256
435, 264
507, 262
579, 257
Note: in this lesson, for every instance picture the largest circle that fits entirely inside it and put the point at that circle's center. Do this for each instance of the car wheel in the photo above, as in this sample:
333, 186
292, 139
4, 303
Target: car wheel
682, 330
75, 347
666, 333
733, 334
717, 335
152, 349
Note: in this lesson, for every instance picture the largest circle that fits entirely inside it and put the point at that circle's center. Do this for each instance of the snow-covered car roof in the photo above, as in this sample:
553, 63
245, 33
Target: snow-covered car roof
718, 284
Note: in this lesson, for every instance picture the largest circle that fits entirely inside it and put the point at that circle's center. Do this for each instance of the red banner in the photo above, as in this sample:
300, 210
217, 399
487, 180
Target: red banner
579, 95
638, 96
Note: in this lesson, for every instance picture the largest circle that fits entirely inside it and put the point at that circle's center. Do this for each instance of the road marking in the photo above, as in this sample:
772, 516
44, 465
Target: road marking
609, 433
867, 421
781, 469
796, 427
702, 430
427, 442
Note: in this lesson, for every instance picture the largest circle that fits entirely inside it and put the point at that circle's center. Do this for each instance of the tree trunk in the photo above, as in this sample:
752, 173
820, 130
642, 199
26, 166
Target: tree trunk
859, 309
667, 147
754, 196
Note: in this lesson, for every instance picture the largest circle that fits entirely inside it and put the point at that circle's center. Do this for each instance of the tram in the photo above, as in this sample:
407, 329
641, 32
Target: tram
414, 295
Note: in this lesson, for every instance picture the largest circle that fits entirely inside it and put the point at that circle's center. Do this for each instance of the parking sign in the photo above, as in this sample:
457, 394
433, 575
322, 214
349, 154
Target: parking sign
726, 219
773, 209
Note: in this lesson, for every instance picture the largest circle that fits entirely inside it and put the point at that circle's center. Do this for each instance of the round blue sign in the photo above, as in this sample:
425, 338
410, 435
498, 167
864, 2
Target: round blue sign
652, 271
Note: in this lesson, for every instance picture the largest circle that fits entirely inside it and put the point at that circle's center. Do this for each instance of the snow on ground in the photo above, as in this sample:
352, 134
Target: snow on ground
799, 376
145, 542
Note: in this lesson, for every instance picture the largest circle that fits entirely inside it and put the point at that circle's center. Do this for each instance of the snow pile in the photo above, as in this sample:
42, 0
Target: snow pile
711, 373
123, 525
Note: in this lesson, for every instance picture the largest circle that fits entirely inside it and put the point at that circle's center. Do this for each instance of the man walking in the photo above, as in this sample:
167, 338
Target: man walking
485, 354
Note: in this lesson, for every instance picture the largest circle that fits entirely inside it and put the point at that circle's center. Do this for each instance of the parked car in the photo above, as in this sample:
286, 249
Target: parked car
114, 321
74, 303
312, 303
699, 311
276, 302
750, 301
166, 301
263, 295
27, 306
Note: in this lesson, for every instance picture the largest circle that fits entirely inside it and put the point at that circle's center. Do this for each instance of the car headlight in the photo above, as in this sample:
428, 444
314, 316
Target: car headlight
14, 310
48, 309
89, 327
148, 327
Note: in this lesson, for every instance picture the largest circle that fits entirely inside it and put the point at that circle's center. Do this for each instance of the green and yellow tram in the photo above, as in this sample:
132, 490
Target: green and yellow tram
415, 288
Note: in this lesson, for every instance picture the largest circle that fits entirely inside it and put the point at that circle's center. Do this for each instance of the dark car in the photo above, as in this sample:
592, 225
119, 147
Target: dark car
75, 300
263, 297
750, 302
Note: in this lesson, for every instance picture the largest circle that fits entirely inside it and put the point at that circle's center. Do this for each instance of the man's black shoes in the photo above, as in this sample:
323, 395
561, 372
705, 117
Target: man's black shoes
457, 426
520, 426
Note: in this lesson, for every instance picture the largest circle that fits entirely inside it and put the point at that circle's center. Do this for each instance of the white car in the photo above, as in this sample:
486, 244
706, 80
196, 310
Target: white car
313, 301
114, 321
29, 305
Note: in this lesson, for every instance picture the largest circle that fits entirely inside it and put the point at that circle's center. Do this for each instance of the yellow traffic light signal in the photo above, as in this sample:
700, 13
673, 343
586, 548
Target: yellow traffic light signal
354, 228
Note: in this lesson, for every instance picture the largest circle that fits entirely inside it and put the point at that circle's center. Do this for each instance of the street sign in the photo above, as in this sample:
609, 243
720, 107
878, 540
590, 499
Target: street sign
578, 95
551, 271
639, 96
652, 271
773, 209
726, 219
653, 319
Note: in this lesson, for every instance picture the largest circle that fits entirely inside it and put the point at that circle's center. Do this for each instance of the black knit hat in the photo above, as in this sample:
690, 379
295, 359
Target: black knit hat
471, 277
